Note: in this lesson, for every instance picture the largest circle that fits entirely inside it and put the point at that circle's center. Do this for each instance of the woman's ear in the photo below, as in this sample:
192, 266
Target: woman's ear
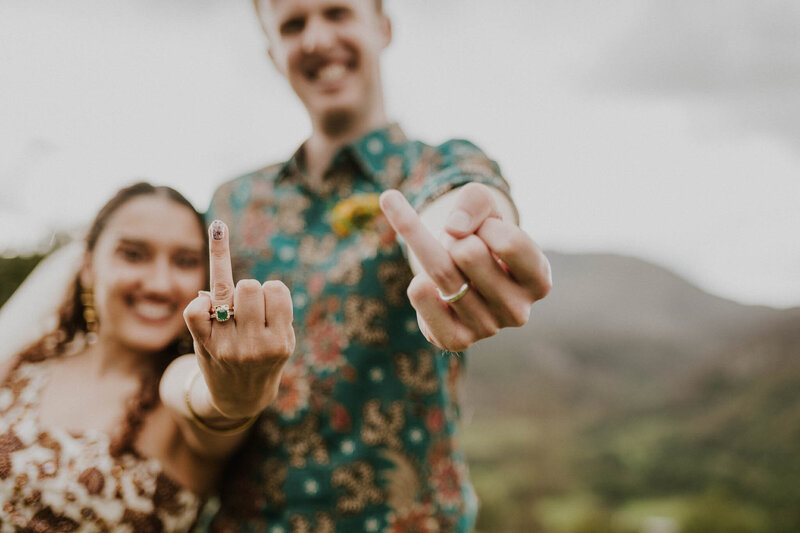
86, 274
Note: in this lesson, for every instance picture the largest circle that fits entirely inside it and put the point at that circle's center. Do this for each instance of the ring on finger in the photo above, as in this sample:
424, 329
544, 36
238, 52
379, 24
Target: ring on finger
222, 313
456, 296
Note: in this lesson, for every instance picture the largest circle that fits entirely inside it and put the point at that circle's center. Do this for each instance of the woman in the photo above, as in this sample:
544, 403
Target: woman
86, 441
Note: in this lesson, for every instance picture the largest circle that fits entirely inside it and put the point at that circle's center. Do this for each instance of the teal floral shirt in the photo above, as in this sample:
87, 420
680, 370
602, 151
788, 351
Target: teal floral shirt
362, 436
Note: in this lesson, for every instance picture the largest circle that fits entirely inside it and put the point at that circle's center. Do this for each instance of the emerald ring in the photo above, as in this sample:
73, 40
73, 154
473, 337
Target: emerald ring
222, 313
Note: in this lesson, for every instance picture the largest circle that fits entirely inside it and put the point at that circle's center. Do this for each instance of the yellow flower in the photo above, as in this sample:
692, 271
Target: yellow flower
354, 213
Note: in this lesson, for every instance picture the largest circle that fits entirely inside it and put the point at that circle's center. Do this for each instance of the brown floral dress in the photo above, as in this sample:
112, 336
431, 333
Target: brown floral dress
55, 480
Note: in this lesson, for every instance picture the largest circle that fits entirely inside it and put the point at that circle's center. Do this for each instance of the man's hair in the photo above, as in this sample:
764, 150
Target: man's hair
257, 6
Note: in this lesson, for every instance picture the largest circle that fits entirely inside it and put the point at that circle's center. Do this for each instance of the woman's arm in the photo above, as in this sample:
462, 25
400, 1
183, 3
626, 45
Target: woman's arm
216, 394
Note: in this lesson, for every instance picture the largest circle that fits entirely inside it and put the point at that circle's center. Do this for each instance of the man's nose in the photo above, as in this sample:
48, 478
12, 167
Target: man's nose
318, 35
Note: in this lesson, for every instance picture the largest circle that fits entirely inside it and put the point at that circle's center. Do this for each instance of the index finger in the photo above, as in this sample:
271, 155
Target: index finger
432, 256
220, 265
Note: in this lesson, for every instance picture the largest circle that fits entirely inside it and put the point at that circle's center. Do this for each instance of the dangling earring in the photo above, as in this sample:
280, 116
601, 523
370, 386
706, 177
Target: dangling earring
89, 315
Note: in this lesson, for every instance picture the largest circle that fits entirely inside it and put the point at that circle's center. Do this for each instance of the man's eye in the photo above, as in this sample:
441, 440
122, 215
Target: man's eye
292, 26
336, 13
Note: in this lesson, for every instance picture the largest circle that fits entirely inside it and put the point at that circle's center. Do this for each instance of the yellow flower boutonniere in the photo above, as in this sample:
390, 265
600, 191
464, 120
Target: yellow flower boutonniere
354, 213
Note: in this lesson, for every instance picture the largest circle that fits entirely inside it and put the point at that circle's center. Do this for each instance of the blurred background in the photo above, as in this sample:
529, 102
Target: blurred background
652, 146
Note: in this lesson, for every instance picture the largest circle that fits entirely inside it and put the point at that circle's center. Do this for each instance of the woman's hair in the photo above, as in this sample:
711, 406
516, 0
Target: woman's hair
72, 324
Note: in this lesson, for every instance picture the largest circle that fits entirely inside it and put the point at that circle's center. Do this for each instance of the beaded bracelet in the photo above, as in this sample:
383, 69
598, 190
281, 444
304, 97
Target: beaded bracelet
187, 396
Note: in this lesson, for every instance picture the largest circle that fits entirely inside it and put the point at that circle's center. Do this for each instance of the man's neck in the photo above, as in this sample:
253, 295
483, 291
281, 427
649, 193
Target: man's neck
321, 147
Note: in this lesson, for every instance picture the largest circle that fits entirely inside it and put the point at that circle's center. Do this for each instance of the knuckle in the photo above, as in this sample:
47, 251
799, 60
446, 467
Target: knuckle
508, 241
441, 274
544, 289
519, 315
417, 288
223, 291
248, 286
218, 252
460, 342
276, 288
468, 251
490, 330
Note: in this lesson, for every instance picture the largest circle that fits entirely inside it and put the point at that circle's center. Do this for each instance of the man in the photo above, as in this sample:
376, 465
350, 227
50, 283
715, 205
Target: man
362, 436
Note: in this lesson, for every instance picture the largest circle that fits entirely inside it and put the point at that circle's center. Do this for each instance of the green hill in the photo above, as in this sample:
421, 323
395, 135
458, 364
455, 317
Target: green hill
632, 393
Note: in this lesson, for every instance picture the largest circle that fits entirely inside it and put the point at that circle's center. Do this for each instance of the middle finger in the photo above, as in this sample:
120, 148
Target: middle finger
220, 265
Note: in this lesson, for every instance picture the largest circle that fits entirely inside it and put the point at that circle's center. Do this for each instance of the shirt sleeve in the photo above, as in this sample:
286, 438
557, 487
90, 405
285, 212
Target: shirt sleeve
451, 165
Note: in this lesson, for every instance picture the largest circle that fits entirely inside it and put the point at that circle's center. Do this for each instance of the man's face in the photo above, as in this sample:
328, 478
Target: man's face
329, 51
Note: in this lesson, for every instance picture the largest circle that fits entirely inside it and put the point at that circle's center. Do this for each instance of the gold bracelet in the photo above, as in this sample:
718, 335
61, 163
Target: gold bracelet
187, 396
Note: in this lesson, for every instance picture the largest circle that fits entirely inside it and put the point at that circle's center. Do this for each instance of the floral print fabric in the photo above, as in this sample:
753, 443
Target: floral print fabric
53, 480
362, 436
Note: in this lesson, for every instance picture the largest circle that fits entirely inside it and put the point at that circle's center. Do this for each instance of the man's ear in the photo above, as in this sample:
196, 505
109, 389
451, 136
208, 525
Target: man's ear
386, 30
278, 66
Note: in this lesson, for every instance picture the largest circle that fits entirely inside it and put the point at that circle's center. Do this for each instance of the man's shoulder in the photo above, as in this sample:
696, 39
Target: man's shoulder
268, 173
245, 182
457, 153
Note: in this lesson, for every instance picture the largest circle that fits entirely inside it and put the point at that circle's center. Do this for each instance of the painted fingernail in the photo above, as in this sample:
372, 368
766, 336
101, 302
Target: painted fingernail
204, 293
459, 221
217, 230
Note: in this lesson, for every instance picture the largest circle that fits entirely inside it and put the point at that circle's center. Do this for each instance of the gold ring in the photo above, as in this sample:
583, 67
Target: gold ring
453, 298
222, 313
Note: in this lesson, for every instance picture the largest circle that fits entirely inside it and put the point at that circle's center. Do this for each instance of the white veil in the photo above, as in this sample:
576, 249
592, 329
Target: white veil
32, 310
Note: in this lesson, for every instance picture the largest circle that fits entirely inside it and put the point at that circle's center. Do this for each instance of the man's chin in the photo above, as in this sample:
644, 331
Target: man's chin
337, 122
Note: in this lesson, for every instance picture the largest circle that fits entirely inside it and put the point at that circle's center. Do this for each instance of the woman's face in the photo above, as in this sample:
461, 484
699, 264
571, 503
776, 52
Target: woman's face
147, 265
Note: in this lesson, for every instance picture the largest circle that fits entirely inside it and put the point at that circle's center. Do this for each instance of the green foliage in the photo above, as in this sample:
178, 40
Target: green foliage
13, 271
713, 513
599, 521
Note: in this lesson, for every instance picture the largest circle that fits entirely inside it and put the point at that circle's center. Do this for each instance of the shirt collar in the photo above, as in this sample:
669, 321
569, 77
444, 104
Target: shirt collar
371, 152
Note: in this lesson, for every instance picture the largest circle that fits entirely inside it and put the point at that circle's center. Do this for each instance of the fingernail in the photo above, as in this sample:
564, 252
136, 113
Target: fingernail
459, 221
217, 230
389, 202
204, 293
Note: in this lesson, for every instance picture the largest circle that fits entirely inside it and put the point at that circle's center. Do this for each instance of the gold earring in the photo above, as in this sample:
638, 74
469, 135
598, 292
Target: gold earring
89, 315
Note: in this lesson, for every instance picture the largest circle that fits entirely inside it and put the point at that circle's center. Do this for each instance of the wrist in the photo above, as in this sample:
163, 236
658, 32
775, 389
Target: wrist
205, 415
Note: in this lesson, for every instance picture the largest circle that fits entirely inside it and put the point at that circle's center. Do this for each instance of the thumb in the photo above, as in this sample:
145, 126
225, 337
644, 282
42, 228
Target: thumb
473, 205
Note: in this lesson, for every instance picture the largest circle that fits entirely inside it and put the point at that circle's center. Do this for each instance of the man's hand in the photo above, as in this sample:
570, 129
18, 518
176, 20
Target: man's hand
241, 358
505, 271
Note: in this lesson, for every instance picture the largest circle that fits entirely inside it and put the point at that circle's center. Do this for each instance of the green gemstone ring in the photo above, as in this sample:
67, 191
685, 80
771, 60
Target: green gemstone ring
222, 313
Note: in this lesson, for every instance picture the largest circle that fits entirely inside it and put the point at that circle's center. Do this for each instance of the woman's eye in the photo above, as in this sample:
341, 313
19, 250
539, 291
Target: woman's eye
132, 255
187, 261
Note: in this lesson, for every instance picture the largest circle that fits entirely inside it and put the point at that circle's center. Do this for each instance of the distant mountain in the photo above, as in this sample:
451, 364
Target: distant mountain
635, 387
614, 331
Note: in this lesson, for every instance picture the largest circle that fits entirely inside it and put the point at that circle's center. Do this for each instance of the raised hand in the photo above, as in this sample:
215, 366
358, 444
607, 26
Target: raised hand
242, 356
482, 275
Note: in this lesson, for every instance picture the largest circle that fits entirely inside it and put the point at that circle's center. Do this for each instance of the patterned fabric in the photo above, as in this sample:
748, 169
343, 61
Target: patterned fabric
362, 436
54, 480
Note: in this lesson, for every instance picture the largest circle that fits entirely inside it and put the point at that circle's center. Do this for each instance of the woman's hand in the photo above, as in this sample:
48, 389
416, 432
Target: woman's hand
241, 358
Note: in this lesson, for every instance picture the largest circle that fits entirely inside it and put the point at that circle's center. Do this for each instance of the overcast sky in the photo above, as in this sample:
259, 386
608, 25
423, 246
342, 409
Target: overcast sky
664, 129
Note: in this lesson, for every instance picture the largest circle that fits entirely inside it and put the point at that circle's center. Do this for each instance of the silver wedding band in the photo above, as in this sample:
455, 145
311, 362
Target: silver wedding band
453, 298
